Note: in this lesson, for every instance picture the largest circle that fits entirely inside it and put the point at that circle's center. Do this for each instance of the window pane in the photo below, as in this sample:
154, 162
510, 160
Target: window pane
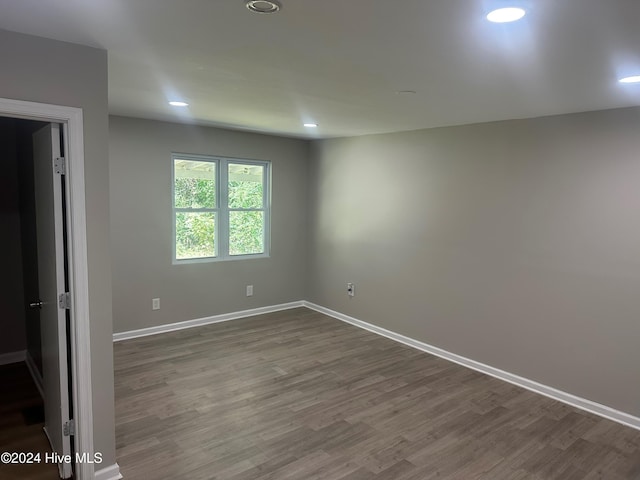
195, 184
246, 233
245, 186
195, 235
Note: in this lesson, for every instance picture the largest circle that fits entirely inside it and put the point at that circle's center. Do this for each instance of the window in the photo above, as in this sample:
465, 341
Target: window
220, 208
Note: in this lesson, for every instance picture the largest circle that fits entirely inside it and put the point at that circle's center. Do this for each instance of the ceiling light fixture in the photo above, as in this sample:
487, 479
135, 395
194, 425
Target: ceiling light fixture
178, 104
263, 6
311, 125
632, 79
506, 15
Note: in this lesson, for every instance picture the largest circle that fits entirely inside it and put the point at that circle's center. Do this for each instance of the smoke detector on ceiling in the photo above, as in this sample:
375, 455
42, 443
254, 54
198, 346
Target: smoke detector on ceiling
263, 6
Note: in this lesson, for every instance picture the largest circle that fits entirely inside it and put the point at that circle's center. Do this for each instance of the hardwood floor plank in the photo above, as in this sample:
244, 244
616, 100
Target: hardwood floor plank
299, 395
16, 433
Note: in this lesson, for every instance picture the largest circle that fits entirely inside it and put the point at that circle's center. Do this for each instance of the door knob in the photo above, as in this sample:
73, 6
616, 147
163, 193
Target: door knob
37, 304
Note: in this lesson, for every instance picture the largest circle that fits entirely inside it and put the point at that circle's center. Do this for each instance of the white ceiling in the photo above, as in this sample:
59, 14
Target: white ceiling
340, 62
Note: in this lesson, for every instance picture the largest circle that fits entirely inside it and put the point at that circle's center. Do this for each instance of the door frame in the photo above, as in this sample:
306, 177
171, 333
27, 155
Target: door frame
72, 124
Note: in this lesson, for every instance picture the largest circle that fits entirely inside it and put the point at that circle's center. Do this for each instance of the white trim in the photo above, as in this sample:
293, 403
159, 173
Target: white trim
112, 472
35, 374
79, 287
13, 357
578, 402
72, 121
225, 317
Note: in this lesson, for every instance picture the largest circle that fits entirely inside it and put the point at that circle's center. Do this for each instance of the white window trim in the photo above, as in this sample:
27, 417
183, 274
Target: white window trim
222, 209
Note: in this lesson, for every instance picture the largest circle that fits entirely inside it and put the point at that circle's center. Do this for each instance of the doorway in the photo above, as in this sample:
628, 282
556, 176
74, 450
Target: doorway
36, 330
74, 305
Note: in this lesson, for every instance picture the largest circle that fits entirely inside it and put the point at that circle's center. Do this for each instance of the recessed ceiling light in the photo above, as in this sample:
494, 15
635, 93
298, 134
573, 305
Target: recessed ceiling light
311, 125
263, 6
632, 79
179, 104
506, 15
406, 92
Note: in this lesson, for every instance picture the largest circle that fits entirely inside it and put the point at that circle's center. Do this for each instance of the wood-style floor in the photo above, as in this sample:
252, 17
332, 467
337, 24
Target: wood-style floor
298, 395
17, 432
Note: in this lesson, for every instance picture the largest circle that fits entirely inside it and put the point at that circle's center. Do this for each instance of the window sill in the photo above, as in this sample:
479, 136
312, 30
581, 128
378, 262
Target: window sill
233, 258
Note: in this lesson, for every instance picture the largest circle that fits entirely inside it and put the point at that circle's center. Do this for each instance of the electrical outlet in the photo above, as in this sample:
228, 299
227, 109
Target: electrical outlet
249, 290
351, 289
155, 304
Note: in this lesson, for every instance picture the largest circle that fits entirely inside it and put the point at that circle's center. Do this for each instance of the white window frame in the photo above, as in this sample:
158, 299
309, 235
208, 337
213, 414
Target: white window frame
222, 209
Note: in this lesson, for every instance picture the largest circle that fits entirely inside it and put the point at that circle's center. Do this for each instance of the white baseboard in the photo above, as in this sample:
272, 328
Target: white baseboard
225, 317
112, 472
578, 402
35, 374
12, 357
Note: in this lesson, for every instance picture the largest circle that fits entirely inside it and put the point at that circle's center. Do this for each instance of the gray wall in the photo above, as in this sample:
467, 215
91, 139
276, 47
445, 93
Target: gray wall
12, 324
141, 226
47, 71
513, 243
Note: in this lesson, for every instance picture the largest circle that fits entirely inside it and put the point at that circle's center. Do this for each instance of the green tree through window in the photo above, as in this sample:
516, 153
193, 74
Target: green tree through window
207, 226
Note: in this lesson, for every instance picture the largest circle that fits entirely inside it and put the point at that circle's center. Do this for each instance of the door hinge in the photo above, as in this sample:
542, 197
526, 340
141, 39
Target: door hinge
64, 301
60, 165
69, 428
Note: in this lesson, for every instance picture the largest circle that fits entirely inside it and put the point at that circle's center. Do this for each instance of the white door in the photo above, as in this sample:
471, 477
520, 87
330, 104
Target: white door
51, 279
